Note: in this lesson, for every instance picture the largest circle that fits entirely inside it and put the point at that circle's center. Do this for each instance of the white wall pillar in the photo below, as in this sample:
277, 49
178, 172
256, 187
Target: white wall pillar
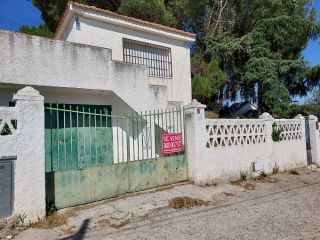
29, 178
195, 137
314, 139
268, 123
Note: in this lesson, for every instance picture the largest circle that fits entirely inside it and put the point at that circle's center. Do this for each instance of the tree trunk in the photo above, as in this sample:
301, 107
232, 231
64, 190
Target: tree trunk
260, 98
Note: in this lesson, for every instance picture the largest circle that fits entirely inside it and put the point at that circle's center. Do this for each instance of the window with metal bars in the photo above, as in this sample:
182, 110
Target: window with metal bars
157, 58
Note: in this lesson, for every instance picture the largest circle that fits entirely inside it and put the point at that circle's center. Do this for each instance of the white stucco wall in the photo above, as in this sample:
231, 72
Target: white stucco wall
110, 36
223, 159
40, 62
27, 144
314, 133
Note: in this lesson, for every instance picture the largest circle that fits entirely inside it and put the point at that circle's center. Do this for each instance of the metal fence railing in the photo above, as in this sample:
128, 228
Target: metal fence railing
85, 136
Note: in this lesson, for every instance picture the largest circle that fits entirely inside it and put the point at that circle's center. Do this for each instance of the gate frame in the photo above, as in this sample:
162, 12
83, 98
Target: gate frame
137, 169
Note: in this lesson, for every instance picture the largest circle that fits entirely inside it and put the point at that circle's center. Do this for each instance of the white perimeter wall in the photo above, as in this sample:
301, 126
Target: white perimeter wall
223, 149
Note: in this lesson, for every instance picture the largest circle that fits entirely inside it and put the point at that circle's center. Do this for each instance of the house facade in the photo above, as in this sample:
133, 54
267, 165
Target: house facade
150, 62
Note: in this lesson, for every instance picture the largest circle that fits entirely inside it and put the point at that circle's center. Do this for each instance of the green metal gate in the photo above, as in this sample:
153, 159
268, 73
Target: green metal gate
92, 155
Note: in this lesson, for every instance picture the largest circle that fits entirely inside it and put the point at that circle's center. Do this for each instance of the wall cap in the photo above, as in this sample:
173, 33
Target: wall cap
29, 94
313, 117
195, 104
299, 116
266, 116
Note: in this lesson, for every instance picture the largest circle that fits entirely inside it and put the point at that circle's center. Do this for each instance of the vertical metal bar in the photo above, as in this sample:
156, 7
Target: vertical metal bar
169, 115
107, 145
118, 138
84, 134
100, 142
95, 136
128, 155
174, 127
159, 135
71, 132
147, 139
137, 135
78, 136
90, 151
150, 133
58, 148
51, 120
64, 136
154, 131
165, 115
128, 139
179, 123
142, 133
122, 139
133, 148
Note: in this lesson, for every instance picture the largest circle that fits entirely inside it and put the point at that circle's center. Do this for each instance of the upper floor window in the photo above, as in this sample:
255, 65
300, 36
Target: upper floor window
157, 58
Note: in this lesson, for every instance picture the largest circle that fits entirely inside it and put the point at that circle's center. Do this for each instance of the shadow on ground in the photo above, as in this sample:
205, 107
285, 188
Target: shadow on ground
80, 234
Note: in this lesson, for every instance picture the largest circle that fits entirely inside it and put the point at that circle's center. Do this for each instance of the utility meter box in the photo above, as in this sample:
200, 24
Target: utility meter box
6, 186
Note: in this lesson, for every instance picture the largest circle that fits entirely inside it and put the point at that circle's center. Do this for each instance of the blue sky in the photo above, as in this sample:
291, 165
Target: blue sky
14, 13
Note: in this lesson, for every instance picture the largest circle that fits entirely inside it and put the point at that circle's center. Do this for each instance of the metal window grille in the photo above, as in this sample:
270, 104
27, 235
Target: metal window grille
157, 58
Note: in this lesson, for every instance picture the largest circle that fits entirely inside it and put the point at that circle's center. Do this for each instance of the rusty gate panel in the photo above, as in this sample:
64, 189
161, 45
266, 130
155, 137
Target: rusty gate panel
74, 187
158, 172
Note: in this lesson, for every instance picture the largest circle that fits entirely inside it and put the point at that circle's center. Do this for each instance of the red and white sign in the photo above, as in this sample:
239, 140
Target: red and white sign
172, 143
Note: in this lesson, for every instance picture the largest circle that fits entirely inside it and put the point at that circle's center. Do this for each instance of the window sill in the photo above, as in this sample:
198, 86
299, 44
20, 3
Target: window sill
159, 81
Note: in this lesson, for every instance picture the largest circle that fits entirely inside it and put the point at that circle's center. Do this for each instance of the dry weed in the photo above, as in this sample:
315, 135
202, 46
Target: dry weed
186, 202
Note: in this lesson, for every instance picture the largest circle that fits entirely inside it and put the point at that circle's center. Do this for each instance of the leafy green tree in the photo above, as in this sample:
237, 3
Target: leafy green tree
149, 10
315, 97
263, 55
208, 80
42, 30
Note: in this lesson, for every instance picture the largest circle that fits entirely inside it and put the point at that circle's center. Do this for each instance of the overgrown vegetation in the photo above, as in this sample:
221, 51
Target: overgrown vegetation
276, 132
243, 176
275, 169
263, 175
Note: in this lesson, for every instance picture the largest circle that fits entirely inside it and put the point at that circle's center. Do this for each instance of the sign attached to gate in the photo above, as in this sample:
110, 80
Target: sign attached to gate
172, 143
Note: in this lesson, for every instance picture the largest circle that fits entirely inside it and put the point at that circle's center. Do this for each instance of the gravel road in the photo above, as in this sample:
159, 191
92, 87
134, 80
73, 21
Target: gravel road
283, 206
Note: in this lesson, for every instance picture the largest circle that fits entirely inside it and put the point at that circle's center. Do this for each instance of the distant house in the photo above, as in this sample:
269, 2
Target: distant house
239, 109
295, 103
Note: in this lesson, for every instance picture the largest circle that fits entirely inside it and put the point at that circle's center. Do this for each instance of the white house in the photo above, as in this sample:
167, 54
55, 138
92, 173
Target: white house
114, 74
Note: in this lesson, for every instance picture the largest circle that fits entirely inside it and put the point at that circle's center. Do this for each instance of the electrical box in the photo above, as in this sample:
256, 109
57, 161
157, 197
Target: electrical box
6, 186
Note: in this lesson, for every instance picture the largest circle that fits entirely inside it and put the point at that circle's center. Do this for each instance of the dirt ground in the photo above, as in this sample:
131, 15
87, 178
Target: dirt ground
281, 206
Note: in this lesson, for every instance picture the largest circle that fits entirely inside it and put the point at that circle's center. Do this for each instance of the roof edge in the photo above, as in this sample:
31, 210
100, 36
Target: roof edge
70, 8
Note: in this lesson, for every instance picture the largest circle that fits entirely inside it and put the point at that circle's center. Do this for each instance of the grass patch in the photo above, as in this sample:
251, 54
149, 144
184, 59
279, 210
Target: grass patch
54, 220
186, 202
